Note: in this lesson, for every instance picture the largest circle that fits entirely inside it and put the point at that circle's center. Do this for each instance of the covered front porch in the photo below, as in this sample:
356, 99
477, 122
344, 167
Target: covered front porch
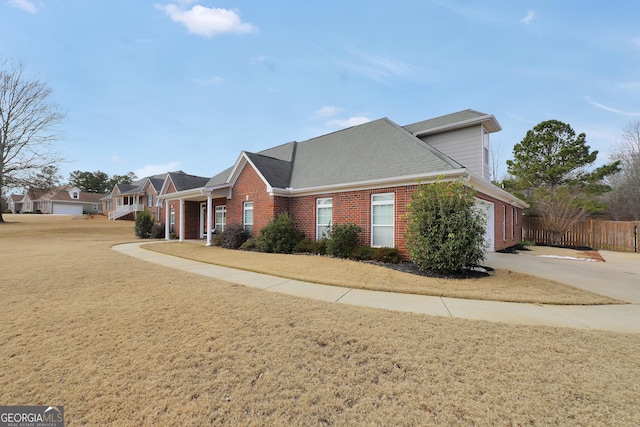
126, 204
195, 214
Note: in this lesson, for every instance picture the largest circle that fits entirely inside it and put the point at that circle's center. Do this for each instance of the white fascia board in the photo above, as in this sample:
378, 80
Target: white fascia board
488, 188
464, 123
379, 183
185, 194
239, 166
269, 187
165, 185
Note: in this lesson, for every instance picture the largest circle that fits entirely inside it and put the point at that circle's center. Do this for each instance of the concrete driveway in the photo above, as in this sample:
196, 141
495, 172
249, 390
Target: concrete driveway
618, 277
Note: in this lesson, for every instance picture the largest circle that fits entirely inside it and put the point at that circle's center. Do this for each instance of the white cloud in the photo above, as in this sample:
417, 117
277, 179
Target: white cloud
149, 170
530, 15
25, 5
611, 109
207, 21
115, 158
329, 111
345, 123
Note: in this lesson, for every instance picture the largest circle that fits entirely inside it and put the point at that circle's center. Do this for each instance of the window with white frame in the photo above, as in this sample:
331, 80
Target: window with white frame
513, 223
75, 195
95, 207
220, 218
108, 205
504, 222
324, 214
149, 200
485, 146
248, 217
382, 220
172, 220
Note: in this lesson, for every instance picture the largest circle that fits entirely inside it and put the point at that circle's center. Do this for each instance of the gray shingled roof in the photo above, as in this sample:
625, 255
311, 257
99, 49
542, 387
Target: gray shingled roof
219, 179
183, 181
449, 119
277, 172
372, 151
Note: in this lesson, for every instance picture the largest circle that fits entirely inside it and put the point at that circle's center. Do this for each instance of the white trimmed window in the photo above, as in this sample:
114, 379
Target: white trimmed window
172, 220
504, 222
513, 223
382, 220
149, 200
75, 195
220, 218
248, 217
324, 214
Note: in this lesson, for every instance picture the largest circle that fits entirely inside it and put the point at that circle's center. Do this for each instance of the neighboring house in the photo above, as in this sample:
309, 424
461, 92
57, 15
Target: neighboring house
125, 200
363, 175
65, 200
15, 203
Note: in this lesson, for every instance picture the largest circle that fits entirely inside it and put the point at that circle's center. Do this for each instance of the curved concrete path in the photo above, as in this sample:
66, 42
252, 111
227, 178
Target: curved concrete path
618, 318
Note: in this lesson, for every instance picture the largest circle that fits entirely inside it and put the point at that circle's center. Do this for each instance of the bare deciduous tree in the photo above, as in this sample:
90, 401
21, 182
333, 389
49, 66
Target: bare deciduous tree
624, 199
28, 121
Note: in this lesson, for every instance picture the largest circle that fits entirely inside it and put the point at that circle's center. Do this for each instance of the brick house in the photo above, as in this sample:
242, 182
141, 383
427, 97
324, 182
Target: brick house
363, 175
125, 200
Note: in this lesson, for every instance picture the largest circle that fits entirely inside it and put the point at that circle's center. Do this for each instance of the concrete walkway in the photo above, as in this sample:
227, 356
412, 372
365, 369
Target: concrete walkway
618, 318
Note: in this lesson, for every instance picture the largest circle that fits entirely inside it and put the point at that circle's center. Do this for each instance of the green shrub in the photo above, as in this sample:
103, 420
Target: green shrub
279, 235
527, 243
445, 231
251, 244
308, 246
157, 231
362, 253
216, 240
144, 224
233, 236
387, 255
342, 239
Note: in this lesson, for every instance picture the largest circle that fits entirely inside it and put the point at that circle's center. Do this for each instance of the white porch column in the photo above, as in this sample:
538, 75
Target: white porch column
209, 215
166, 220
182, 220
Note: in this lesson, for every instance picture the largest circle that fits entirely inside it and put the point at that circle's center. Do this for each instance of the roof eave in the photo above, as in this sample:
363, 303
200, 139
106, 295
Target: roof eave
488, 120
377, 183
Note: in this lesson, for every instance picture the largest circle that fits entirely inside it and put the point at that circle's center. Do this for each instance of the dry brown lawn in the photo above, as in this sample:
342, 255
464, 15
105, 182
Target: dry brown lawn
118, 341
503, 285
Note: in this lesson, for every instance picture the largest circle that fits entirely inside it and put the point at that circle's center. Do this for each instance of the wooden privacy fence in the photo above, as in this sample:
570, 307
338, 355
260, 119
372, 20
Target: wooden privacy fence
594, 233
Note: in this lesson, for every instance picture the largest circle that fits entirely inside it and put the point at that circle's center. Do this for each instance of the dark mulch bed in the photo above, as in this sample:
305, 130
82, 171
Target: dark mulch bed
409, 267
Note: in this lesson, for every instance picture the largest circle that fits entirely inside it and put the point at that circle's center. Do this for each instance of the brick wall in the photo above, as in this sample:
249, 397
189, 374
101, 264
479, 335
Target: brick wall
250, 188
348, 207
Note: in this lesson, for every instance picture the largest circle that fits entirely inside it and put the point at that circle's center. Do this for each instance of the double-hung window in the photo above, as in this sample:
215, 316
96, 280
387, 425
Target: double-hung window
221, 218
248, 217
149, 200
382, 220
324, 213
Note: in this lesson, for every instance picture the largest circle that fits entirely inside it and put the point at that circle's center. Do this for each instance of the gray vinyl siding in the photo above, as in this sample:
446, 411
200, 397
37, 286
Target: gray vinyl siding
464, 145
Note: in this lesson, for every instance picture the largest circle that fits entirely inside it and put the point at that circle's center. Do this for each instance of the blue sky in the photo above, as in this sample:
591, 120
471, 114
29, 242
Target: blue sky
155, 86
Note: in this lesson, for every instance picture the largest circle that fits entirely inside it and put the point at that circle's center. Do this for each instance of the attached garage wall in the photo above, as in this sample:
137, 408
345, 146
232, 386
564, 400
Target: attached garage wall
67, 209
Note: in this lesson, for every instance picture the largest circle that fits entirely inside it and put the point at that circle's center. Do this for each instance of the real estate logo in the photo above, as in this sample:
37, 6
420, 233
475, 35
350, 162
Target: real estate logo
31, 416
